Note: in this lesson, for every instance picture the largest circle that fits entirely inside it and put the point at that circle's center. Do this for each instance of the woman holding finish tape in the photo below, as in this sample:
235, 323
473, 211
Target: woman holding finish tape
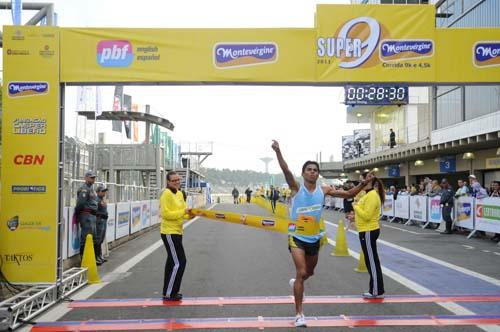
367, 213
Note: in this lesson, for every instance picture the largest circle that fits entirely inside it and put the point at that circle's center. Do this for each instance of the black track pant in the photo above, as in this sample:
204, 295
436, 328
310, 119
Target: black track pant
369, 245
175, 265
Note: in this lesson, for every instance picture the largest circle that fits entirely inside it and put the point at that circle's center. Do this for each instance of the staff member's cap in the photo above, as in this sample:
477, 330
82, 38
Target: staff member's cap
101, 188
472, 176
90, 174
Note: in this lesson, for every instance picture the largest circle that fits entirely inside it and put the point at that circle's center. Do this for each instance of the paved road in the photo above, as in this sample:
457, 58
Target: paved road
232, 260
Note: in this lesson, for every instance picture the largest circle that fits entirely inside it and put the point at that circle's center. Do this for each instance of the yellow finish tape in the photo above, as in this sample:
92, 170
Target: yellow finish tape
304, 226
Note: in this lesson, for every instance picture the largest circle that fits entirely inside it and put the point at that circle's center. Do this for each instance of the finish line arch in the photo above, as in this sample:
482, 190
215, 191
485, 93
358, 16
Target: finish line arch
349, 44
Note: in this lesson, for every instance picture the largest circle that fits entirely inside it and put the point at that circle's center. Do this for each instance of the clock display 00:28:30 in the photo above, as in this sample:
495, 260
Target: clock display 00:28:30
373, 93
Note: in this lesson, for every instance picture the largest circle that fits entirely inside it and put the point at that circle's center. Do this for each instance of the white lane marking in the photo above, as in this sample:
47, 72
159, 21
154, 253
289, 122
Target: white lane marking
467, 247
417, 288
485, 251
496, 253
402, 230
468, 272
62, 309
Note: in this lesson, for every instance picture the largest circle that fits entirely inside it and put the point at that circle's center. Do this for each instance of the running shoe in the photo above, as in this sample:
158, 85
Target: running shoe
300, 321
369, 295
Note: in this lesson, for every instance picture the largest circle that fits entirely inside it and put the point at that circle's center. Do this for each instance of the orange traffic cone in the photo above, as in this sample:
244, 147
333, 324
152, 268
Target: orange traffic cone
89, 262
361, 263
341, 245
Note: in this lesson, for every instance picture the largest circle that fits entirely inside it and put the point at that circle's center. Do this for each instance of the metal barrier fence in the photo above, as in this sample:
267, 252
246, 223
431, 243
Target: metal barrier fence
468, 212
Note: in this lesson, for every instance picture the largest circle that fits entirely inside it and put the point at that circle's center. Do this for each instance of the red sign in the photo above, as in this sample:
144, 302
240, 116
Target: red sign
29, 159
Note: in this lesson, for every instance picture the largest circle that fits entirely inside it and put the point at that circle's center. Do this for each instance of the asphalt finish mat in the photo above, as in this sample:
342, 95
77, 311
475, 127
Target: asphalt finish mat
232, 260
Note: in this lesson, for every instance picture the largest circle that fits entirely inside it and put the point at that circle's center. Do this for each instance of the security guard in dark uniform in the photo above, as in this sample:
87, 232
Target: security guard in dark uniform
446, 205
102, 220
86, 210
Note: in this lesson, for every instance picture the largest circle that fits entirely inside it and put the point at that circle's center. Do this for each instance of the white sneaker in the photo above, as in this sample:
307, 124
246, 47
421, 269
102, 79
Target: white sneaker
291, 282
368, 295
300, 321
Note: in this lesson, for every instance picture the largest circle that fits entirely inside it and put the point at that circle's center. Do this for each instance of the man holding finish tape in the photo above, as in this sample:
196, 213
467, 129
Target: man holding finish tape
306, 204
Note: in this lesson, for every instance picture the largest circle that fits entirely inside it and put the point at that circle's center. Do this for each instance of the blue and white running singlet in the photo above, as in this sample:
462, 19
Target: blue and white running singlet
306, 204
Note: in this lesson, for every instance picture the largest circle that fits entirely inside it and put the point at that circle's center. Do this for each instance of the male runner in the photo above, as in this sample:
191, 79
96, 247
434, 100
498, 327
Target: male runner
307, 202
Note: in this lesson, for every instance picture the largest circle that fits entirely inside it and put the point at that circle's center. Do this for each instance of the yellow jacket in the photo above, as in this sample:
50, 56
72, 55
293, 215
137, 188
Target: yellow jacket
367, 212
172, 212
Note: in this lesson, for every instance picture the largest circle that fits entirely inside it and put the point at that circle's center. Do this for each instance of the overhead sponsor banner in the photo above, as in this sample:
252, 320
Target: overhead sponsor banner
488, 214
434, 209
375, 43
135, 217
475, 51
30, 132
122, 219
388, 207
418, 208
402, 209
145, 214
188, 55
464, 212
155, 212
111, 224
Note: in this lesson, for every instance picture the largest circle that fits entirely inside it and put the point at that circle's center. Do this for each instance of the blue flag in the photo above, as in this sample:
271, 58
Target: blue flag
16, 11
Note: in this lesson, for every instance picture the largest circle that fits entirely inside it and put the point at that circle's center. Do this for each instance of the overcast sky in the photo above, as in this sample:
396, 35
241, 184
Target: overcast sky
241, 121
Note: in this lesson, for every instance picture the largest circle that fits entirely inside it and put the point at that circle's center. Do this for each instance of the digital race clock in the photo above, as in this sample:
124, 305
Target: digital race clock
376, 94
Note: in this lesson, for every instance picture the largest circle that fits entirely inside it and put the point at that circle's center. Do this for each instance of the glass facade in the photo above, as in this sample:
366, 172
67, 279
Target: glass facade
458, 104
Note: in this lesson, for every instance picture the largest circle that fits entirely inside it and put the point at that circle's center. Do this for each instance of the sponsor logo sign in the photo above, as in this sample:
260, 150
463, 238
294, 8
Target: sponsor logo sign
29, 159
28, 189
17, 52
486, 54
400, 49
14, 223
491, 212
435, 210
267, 223
353, 49
29, 126
292, 227
464, 210
18, 258
27, 89
123, 218
114, 53
232, 55
220, 216
46, 52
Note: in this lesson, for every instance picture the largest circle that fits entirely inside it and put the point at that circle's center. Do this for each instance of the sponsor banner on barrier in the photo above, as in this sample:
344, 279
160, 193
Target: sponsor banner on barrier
187, 55
73, 233
388, 207
418, 208
464, 212
367, 44
402, 209
30, 159
111, 223
434, 209
122, 219
155, 212
135, 217
488, 214
145, 214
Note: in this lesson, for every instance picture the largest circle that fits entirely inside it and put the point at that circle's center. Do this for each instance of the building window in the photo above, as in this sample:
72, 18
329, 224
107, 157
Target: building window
449, 106
481, 100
